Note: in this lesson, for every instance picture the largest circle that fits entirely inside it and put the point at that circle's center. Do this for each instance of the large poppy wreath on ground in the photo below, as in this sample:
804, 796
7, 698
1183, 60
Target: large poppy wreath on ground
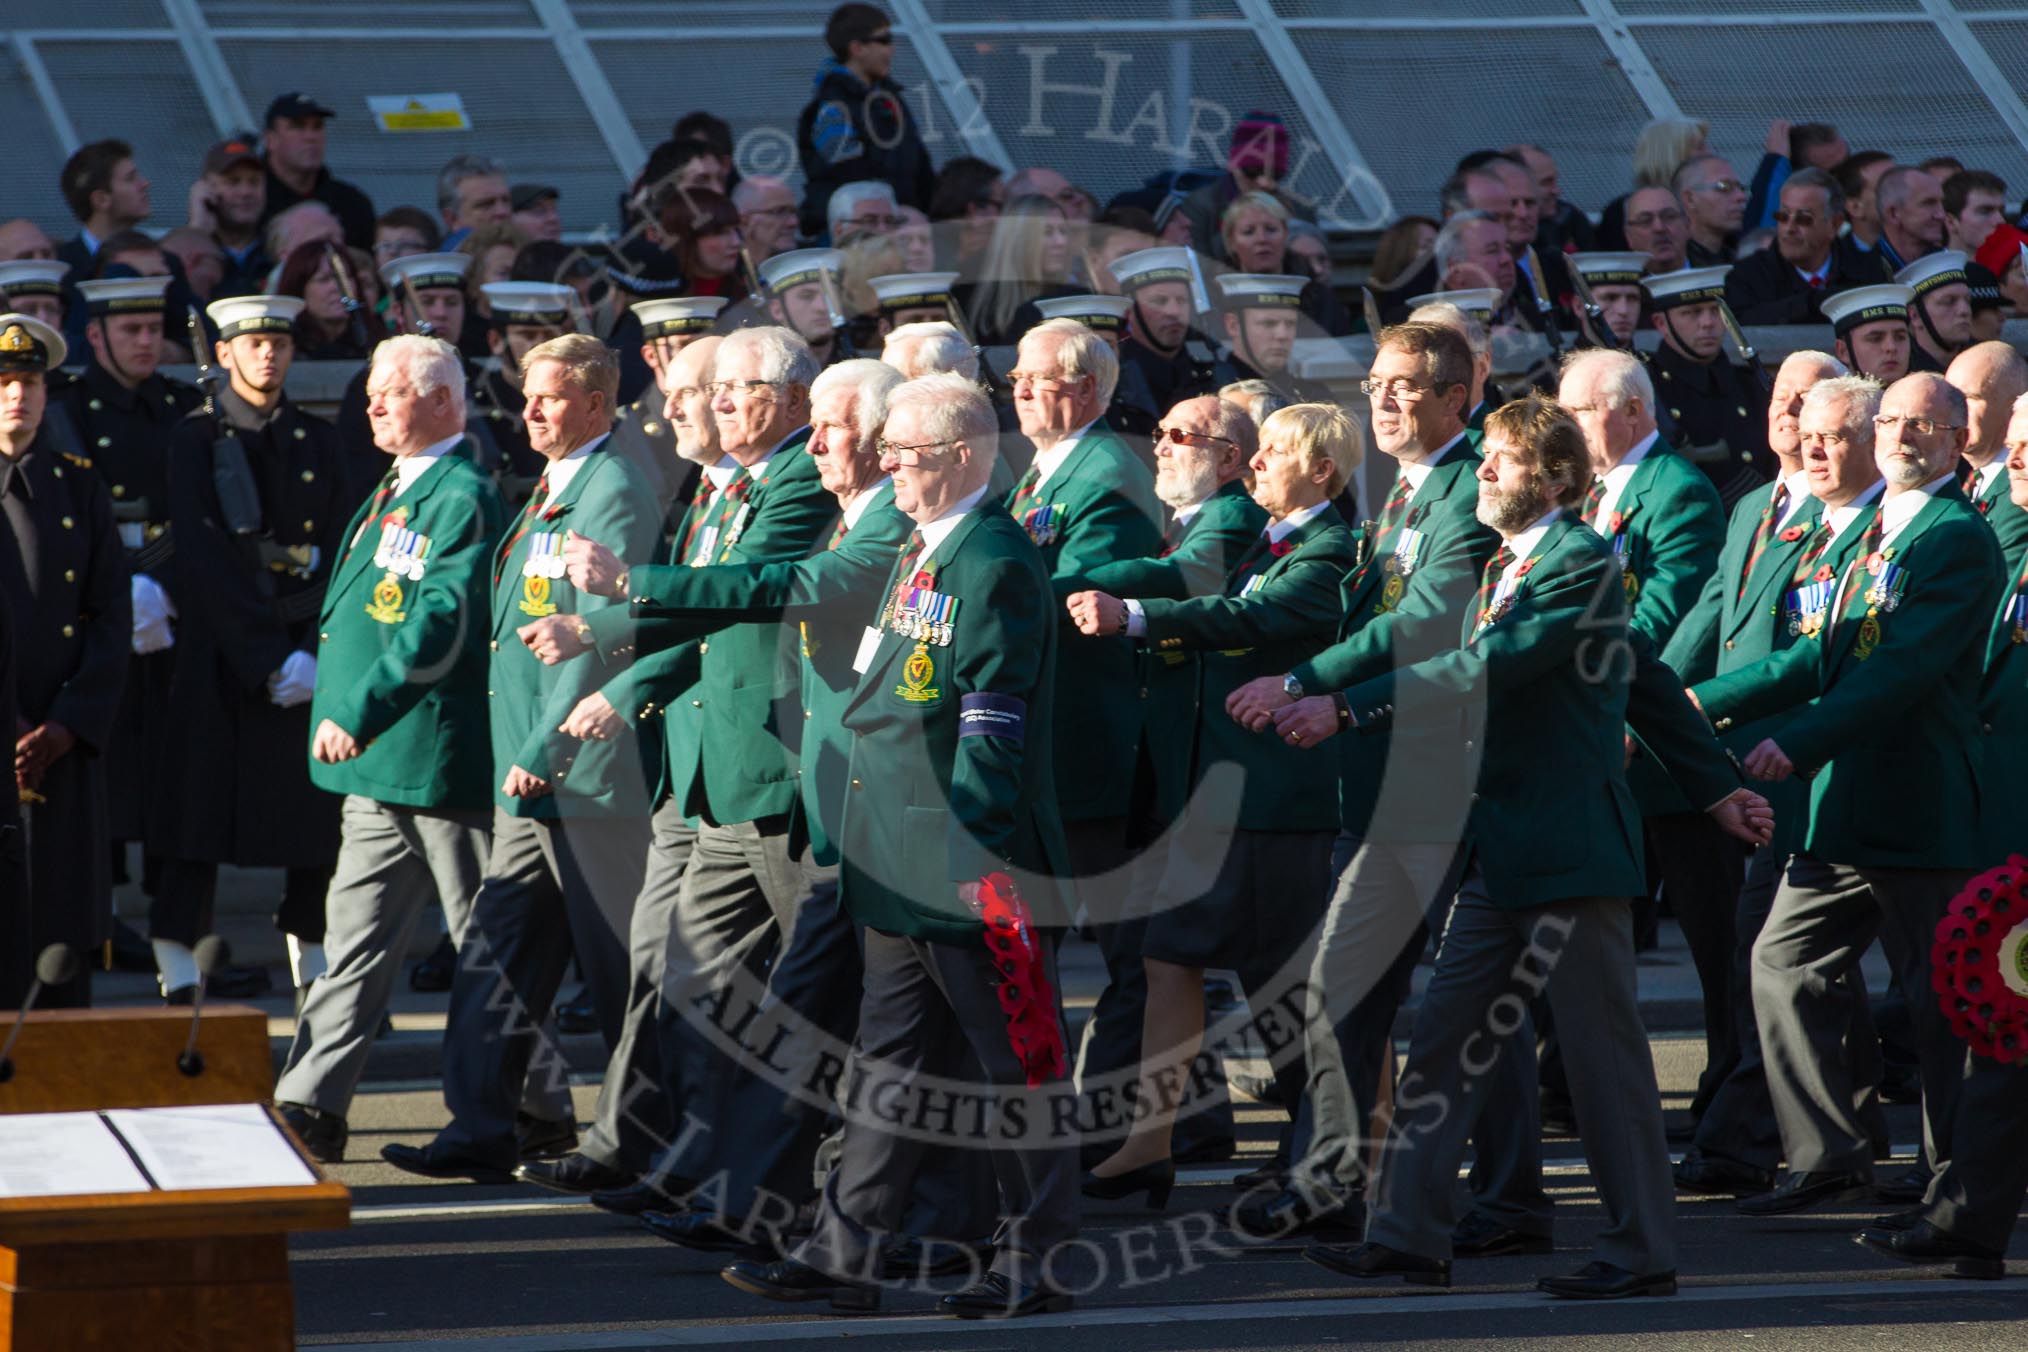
1980, 962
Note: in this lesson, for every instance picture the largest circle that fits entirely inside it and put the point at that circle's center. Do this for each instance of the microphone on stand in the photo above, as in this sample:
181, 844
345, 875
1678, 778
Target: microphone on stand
211, 953
56, 965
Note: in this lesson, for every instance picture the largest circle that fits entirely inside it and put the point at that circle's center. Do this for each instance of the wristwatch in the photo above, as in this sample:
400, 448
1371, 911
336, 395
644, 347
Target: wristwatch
1292, 687
584, 631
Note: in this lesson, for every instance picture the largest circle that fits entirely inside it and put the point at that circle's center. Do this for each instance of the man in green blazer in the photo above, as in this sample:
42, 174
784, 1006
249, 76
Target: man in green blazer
1245, 871
1768, 578
1891, 687
1087, 500
399, 714
1992, 376
765, 1145
570, 820
1203, 448
949, 780
1971, 1209
1403, 792
1541, 678
735, 771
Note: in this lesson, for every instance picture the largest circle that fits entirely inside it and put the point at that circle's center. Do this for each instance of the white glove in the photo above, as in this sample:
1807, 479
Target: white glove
295, 682
152, 613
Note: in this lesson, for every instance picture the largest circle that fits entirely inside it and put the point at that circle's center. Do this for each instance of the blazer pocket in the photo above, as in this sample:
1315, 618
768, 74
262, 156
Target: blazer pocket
925, 864
1914, 821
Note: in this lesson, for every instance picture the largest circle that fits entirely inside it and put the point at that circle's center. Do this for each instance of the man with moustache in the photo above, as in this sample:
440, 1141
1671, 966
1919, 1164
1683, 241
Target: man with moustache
1780, 548
1992, 376
400, 717
1885, 694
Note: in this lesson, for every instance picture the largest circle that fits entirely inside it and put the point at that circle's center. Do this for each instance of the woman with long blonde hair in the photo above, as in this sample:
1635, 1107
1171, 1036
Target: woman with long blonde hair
1028, 259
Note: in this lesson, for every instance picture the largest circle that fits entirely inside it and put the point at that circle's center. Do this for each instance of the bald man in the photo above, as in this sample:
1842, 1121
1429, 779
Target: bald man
1992, 376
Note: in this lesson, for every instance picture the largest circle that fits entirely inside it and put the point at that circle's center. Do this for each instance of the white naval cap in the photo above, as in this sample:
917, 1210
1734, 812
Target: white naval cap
426, 270
1686, 286
544, 304
786, 271
254, 314
1108, 314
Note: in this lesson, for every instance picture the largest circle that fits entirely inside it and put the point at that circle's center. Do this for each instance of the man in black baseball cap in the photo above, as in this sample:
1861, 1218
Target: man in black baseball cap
293, 138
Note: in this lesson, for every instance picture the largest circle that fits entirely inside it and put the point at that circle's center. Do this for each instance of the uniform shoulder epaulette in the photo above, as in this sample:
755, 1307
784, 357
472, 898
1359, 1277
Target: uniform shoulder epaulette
81, 461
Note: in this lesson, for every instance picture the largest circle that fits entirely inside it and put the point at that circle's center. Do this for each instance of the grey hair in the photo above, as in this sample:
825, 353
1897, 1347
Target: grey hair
1896, 186
1082, 353
1859, 394
929, 346
432, 364
847, 198
1259, 398
1823, 361
2020, 405
1232, 421
460, 168
1477, 336
747, 190
870, 382
1834, 196
1621, 376
785, 358
1450, 239
952, 408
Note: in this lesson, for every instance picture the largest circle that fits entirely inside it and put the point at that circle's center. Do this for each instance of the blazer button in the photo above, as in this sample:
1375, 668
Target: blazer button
697, 704
68, 523
69, 632
806, 713
1468, 746
1730, 645
489, 694
1985, 727
309, 476
323, 638
857, 785
70, 575
1475, 797
105, 442
704, 647
494, 645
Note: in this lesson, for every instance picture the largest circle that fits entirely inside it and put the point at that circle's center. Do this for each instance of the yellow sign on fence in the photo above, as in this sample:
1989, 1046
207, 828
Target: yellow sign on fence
418, 112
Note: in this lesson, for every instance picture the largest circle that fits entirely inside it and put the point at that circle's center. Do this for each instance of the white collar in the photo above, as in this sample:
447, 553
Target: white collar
760, 466
721, 473
409, 468
1990, 471
1417, 470
1841, 517
1524, 544
1619, 475
936, 532
1049, 461
861, 501
1281, 530
561, 472
1182, 515
1896, 512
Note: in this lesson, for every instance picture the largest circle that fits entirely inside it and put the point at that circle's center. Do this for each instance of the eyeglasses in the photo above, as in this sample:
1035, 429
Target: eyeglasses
1399, 389
778, 213
1922, 427
910, 456
1034, 378
1652, 218
879, 39
876, 222
718, 387
1204, 441
1805, 219
1719, 185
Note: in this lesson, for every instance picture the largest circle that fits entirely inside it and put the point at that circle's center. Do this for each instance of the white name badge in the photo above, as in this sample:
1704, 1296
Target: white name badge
869, 642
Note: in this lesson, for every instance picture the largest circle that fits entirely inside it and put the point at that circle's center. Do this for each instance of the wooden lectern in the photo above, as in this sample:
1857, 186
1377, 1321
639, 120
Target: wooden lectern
190, 1270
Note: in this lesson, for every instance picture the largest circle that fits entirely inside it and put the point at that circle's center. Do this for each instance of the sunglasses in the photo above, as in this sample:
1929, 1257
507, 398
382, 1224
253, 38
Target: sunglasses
882, 39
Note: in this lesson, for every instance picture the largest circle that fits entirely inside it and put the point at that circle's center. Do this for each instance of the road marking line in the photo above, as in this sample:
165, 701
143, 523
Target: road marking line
951, 1330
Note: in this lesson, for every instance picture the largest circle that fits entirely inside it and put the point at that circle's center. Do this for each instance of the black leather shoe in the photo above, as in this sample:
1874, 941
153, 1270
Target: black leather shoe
639, 1198
1377, 1260
1800, 1192
1155, 1179
180, 998
1603, 1281
437, 971
1270, 1174
1480, 1236
909, 1258
704, 1232
1909, 1186
1715, 1175
1922, 1242
576, 1017
235, 982
537, 1139
439, 1161
1901, 1087
573, 1173
996, 1296
786, 1279
1289, 1213
323, 1134
1896, 1220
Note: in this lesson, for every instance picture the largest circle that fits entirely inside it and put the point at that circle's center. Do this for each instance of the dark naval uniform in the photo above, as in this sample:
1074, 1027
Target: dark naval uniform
125, 433
498, 404
65, 579
1716, 416
242, 791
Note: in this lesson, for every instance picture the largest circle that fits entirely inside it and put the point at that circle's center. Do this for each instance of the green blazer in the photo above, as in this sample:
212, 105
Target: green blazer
1538, 698
1099, 506
825, 599
607, 501
950, 775
742, 765
2003, 723
400, 664
1210, 544
2009, 523
1406, 783
1889, 693
1277, 608
1666, 529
